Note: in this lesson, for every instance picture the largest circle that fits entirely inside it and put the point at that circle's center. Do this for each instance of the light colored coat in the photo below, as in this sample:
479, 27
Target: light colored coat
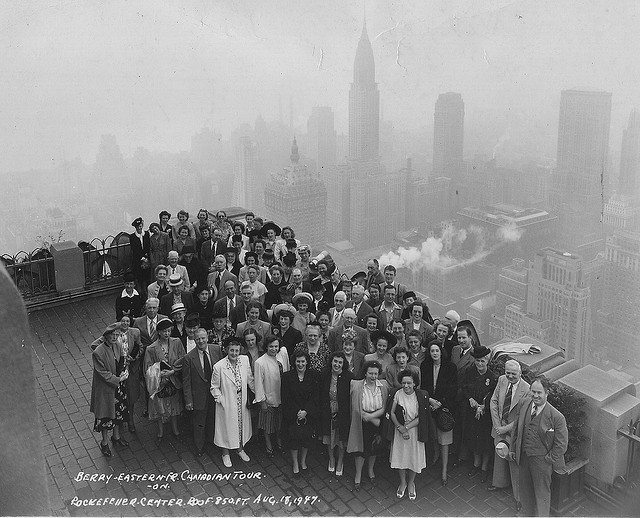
105, 382
267, 377
223, 385
355, 442
263, 328
497, 404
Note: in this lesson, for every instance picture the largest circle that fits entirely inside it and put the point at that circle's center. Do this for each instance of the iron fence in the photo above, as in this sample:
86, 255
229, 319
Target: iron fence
106, 260
33, 273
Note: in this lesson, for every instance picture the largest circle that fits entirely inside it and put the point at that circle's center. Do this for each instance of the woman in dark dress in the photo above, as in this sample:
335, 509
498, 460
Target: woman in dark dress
478, 385
299, 408
129, 302
440, 379
335, 409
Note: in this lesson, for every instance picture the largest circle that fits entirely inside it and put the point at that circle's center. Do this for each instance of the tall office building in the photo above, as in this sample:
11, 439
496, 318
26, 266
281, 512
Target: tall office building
629, 179
619, 318
296, 196
321, 135
364, 104
581, 167
557, 292
512, 289
246, 190
448, 136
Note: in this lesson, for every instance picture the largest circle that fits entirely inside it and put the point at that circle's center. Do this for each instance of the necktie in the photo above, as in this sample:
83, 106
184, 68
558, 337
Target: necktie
507, 403
207, 366
217, 281
534, 411
231, 305
152, 329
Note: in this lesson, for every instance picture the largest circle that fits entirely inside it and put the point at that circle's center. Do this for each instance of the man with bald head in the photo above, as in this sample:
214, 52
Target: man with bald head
219, 276
510, 390
335, 313
334, 338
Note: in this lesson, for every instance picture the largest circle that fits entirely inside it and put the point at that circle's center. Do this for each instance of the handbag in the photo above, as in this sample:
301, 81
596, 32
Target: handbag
301, 430
444, 419
168, 390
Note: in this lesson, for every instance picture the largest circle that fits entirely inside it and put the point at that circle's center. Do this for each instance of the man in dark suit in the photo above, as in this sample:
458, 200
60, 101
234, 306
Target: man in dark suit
140, 243
227, 304
538, 446
211, 248
348, 322
390, 280
197, 368
219, 276
452, 318
374, 275
358, 304
416, 323
239, 313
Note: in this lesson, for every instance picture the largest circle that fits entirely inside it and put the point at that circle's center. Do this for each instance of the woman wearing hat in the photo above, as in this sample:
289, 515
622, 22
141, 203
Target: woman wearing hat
354, 359
167, 352
183, 221
478, 385
230, 382
221, 331
289, 337
160, 245
139, 242
269, 232
302, 302
108, 392
383, 341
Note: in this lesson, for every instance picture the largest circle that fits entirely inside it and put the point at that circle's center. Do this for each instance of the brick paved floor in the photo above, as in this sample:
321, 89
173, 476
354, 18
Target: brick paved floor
63, 370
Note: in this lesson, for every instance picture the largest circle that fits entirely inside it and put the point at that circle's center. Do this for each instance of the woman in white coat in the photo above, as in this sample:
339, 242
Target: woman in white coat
229, 382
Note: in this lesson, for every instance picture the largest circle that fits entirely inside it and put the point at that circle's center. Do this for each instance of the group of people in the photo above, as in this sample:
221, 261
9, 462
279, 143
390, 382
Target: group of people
305, 355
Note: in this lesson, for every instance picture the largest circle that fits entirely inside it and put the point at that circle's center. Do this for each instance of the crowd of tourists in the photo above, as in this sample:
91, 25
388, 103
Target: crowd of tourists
235, 327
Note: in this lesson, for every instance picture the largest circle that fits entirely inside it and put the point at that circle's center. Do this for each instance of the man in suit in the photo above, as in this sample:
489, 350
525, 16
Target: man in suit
212, 248
177, 295
348, 322
374, 275
177, 269
511, 388
390, 280
416, 323
389, 309
358, 304
239, 313
337, 311
197, 368
452, 318
140, 243
538, 445
220, 276
228, 303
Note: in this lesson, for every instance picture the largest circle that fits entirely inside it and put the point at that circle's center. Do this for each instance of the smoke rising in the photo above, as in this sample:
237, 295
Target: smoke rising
454, 248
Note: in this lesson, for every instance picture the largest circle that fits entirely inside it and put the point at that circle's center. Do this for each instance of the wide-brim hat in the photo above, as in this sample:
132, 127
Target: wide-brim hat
164, 323
178, 307
472, 330
290, 259
270, 225
358, 276
502, 449
188, 249
175, 279
480, 352
283, 307
304, 295
136, 222
391, 340
192, 320
111, 328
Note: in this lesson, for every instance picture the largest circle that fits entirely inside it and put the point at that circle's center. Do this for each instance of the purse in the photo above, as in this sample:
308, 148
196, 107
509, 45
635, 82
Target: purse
168, 390
302, 430
444, 419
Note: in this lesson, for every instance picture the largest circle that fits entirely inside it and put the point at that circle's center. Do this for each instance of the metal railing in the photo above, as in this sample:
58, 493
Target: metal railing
33, 273
106, 260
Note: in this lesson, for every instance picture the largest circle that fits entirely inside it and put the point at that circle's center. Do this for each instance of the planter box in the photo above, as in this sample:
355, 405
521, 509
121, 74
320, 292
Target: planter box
567, 487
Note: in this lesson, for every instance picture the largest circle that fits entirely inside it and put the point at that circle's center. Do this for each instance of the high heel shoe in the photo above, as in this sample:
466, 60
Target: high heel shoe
443, 481
400, 493
412, 494
331, 467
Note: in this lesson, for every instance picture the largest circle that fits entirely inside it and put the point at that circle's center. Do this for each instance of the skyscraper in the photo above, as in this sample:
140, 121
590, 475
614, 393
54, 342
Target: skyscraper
557, 292
580, 177
364, 104
322, 138
629, 180
246, 191
448, 136
297, 197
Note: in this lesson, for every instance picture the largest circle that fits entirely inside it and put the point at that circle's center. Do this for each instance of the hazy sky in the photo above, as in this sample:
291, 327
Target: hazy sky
153, 73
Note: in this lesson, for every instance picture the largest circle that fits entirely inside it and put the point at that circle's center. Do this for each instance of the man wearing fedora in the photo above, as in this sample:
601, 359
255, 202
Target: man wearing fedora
176, 295
140, 243
179, 330
196, 272
538, 445
177, 269
510, 389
